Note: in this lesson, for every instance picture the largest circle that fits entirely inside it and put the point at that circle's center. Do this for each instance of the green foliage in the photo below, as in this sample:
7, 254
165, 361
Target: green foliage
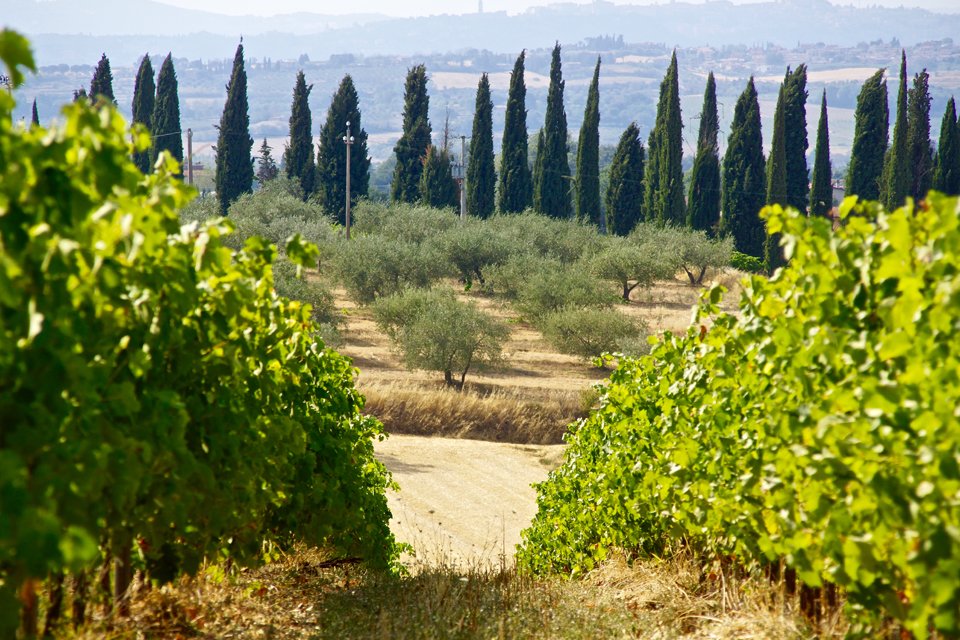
588, 157
624, 198
481, 174
744, 176
947, 167
153, 387
551, 186
563, 240
918, 136
15, 53
290, 281
436, 332
371, 267
869, 139
234, 175
414, 223
472, 248
703, 205
821, 187
101, 85
746, 263
412, 146
817, 425
166, 116
795, 138
591, 332
438, 189
629, 264
895, 184
549, 289
34, 115
693, 251
332, 157
516, 183
144, 99
267, 169
663, 196
277, 212
776, 181
298, 156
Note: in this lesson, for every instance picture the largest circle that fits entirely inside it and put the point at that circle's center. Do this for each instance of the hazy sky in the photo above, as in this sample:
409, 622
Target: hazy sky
428, 7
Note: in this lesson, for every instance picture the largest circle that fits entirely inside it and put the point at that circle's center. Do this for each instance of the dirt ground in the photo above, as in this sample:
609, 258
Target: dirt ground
463, 502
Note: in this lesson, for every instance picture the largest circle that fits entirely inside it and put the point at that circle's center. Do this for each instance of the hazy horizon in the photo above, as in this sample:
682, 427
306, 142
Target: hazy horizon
435, 7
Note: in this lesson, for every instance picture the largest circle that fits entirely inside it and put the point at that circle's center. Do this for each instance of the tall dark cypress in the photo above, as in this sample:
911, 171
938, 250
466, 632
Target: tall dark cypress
166, 115
946, 175
102, 82
437, 186
35, 115
918, 136
298, 156
411, 148
777, 180
744, 176
588, 156
516, 181
895, 184
551, 187
821, 187
481, 174
332, 157
664, 171
869, 139
144, 99
703, 205
234, 161
624, 198
795, 138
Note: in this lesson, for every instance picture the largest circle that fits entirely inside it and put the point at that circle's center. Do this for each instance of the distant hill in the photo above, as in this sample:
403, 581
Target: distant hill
138, 25
145, 17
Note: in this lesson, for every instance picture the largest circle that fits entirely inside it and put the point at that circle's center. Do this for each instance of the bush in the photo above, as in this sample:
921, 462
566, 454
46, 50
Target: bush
434, 331
411, 223
817, 427
550, 290
276, 215
630, 265
296, 286
687, 249
590, 333
746, 263
509, 278
471, 249
563, 240
370, 267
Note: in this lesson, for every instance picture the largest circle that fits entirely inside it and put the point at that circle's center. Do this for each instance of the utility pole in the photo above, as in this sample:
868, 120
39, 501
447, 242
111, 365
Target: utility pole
348, 140
190, 156
463, 181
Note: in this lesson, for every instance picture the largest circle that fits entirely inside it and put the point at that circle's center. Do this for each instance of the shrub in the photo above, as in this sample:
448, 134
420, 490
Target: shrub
591, 332
291, 282
747, 263
276, 215
687, 249
508, 278
563, 240
371, 267
550, 290
411, 223
434, 331
471, 249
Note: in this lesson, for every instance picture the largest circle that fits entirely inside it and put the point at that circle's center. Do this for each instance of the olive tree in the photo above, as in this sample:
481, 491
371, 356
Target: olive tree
631, 265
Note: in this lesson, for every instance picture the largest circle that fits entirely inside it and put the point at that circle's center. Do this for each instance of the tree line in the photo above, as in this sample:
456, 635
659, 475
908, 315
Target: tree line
646, 183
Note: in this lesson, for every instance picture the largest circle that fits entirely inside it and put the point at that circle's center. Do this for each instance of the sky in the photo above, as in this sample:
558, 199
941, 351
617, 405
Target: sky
429, 7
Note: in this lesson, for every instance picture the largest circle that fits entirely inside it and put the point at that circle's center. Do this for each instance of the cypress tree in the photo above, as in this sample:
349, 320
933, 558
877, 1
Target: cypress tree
588, 156
437, 186
624, 198
918, 136
144, 97
703, 205
332, 157
821, 190
266, 166
946, 175
79, 94
869, 139
795, 138
35, 115
744, 176
895, 185
166, 115
481, 174
777, 180
537, 167
234, 164
412, 146
516, 182
298, 156
664, 170
102, 82
550, 187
